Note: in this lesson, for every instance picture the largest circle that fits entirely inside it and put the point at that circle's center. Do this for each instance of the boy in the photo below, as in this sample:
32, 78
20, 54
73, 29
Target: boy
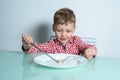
65, 42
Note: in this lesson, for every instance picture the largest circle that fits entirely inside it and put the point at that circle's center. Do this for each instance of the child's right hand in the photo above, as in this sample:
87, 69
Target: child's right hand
26, 39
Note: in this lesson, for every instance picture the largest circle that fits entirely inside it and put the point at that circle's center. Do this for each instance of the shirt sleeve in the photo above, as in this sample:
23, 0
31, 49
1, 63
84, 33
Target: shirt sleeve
82, 46
46, 47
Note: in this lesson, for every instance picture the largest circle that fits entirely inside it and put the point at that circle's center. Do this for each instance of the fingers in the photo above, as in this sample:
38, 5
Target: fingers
27, 39
89, 53
89, 57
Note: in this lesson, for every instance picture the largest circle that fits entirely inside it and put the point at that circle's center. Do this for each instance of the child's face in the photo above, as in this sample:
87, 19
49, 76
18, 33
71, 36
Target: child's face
64, 32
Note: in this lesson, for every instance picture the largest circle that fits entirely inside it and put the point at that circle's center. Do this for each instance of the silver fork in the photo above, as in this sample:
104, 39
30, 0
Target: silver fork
44, 52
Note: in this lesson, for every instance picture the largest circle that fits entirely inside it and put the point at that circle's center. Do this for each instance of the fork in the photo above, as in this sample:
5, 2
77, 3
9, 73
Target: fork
44, 52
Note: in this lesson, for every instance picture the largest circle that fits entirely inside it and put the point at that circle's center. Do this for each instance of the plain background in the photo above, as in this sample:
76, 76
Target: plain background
98, 19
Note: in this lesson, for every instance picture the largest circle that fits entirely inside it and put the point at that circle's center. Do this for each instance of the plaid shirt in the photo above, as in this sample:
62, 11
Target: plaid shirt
74, 46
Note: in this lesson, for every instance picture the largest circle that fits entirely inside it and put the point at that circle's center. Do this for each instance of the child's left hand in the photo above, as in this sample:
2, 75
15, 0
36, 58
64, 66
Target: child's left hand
89, 53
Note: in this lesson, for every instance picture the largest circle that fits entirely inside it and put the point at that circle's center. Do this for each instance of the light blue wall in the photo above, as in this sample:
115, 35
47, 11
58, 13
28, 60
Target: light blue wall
98, 19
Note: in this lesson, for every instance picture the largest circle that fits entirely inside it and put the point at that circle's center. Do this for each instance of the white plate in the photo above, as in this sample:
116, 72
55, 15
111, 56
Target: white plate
72, 61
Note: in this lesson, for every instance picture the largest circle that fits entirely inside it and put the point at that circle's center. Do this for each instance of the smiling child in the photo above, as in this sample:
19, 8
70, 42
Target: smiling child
65, 42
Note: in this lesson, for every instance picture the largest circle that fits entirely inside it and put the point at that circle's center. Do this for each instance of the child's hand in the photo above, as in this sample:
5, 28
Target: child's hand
26, 39
89, 53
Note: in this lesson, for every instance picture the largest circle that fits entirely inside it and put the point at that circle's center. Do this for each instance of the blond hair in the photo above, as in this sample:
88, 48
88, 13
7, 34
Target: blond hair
64, 16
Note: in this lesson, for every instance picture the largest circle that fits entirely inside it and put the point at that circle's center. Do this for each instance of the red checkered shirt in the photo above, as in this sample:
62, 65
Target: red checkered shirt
74, 46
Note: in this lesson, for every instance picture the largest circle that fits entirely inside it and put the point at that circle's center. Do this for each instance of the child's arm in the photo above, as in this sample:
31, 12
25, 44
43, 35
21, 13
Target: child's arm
27, 47
86, 49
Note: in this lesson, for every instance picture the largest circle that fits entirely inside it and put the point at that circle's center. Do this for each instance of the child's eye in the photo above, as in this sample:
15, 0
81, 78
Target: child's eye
68, 31
59, 30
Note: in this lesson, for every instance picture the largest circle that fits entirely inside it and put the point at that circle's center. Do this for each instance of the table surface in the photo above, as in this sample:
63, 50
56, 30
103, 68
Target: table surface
16, 65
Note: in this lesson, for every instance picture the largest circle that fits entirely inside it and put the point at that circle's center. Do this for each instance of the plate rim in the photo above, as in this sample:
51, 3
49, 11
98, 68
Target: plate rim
35, 60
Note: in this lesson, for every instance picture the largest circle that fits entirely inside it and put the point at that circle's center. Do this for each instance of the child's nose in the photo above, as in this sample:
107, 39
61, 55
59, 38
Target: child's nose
63, 33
